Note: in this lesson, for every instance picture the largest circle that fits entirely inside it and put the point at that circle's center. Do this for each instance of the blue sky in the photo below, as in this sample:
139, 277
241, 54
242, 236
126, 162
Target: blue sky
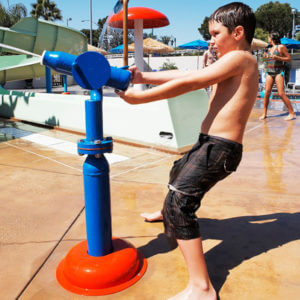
184, 16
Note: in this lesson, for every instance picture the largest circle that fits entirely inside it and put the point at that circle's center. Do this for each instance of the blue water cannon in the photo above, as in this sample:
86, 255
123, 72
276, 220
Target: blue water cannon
102, 264
90, 70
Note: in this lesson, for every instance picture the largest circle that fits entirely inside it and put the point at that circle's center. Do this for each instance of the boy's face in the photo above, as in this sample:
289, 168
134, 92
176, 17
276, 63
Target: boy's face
221, 40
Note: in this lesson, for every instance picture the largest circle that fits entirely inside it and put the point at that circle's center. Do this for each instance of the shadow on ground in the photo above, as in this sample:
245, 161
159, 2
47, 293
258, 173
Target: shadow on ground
241, 238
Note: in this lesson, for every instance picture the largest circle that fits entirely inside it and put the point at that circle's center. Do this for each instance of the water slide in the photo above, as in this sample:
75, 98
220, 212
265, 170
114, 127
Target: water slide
35, 36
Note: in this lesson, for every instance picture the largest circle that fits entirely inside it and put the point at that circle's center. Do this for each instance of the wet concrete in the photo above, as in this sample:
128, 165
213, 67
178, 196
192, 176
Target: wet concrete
250, 221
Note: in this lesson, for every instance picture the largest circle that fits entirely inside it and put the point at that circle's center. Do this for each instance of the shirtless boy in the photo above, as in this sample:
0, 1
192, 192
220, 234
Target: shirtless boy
219, 148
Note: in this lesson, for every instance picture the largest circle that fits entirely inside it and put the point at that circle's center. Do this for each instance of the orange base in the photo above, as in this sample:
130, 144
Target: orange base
87, 275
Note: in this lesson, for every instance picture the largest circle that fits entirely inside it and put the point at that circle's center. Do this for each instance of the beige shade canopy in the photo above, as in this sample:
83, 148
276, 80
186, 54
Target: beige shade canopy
153, 46
258, 44
93, 48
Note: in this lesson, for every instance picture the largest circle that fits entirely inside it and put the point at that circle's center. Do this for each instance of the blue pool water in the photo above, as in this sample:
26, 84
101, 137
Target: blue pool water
278, 105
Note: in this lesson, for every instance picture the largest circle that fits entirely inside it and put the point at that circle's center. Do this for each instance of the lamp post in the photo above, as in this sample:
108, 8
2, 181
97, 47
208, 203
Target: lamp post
173, 41
91, 24
68, 19
294, 12
91, 30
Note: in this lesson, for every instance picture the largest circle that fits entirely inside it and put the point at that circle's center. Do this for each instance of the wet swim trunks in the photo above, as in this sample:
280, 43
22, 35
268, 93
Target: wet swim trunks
209, 161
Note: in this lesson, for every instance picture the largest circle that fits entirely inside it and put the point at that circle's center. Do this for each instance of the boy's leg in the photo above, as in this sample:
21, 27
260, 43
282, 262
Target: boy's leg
199, 286
181, 222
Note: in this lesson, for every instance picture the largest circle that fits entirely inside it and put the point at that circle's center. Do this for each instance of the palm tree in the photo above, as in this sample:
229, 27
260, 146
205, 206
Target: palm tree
46, 9
12, 14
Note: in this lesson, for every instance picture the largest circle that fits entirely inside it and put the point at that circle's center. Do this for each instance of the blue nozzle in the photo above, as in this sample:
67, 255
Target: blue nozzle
119, 78
90, 70
59, 61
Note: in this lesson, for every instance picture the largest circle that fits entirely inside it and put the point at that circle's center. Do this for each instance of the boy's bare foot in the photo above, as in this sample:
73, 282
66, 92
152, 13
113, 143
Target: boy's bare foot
156, 216
290, 117
262, 117
195, 293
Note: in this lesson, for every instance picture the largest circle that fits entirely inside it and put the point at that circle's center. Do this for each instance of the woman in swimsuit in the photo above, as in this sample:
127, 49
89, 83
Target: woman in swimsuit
276, 55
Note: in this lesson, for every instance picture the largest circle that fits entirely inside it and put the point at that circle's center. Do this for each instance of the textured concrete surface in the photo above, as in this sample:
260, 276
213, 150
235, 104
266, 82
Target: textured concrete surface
250, 221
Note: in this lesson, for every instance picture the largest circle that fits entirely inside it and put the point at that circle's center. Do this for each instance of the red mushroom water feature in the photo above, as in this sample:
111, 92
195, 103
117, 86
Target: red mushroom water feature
138, 19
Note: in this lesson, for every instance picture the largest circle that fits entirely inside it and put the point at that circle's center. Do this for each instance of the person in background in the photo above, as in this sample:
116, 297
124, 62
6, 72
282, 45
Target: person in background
209, 56
276, 55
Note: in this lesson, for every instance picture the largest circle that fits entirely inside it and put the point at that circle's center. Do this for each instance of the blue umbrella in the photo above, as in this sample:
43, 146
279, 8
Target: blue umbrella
118, 49
197, 45
290, 43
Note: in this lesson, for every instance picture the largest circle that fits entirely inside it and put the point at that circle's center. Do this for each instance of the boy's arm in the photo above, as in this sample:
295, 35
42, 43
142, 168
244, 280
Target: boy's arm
231, 64
156, 78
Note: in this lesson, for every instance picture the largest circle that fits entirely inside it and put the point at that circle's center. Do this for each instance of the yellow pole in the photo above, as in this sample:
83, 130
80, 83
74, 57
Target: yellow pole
125, 32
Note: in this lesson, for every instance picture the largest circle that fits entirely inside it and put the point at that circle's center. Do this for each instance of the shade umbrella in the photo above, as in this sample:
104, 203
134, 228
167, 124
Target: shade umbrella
290, 43
118, 49
258, 44
93, 48
196, 45
151, 46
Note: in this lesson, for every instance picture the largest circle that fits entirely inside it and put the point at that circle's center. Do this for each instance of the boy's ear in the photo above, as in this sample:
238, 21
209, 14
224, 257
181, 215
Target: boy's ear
238, 32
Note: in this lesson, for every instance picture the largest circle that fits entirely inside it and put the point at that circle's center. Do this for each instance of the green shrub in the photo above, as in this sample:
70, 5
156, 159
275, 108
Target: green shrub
167, 65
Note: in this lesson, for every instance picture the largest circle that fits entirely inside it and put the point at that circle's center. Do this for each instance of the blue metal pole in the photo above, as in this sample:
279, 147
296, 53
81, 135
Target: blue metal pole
48, 80
96, 184
93, 119
65, 81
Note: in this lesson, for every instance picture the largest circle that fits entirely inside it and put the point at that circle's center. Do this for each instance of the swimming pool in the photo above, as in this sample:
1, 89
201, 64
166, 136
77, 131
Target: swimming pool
277, 104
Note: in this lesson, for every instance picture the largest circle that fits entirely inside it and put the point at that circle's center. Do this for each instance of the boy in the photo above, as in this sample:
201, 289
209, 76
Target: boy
218, 150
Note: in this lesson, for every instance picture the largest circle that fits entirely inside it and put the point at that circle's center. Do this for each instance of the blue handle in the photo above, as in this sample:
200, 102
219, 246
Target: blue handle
90, 70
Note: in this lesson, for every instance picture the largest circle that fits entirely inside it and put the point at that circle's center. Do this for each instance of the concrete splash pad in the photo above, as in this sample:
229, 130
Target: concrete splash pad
250, 221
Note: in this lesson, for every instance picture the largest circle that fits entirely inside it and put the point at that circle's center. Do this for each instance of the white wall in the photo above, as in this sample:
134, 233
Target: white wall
182, 62
140, 124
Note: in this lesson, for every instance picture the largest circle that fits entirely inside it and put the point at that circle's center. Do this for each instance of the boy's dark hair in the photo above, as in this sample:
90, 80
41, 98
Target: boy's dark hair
275, 36
234, 14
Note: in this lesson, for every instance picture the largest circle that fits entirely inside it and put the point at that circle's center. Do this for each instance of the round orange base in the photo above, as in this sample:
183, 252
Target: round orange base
87, 275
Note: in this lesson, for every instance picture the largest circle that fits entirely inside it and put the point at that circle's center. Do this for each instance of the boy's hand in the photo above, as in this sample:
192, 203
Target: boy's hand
131, 96
136, 75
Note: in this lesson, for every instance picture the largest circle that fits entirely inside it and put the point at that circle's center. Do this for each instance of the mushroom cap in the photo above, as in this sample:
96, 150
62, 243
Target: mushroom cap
151, 18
